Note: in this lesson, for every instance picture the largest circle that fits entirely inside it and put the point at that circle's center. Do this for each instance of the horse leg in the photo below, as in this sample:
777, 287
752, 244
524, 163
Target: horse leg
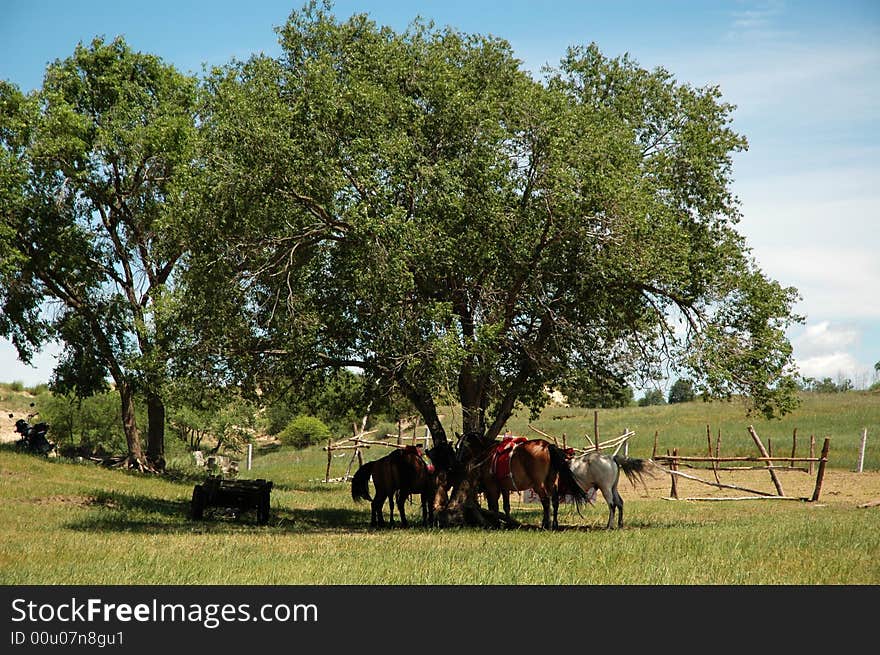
608, 494
401, 500
492, 491
554, 498
505, 497
376, 518
391, 509
545, 503
619, 502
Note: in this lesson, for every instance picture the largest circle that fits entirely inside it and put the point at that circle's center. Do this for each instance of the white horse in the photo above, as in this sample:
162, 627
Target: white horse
594, 470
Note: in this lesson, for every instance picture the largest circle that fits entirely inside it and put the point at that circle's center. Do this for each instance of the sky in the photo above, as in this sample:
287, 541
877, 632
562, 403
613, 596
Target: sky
804, 76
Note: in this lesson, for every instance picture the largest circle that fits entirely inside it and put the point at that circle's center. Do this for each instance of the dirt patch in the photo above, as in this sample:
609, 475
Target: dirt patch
74, 500
839, 487
7, 427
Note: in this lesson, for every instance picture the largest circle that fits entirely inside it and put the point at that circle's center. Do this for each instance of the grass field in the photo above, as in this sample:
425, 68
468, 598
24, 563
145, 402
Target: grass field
68, 523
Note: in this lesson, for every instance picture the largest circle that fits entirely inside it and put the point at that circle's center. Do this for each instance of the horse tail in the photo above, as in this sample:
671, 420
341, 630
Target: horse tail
635, 469
567, 483
360, 488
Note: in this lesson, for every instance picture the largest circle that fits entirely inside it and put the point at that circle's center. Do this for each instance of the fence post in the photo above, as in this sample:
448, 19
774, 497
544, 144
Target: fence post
812, 451
674, 467
250, 456
596, 427
763, 450
329, 457
821, 474
862, 449
793, 448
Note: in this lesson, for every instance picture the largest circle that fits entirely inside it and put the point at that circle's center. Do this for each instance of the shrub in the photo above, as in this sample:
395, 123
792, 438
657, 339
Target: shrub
304, 431
91, 422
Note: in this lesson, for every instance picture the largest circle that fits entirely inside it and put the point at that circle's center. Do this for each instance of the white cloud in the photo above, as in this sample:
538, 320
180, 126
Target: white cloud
835, 365
822, 337
825, 349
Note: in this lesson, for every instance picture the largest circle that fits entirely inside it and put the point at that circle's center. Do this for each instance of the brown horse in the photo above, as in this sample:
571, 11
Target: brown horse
516, 465
396, 476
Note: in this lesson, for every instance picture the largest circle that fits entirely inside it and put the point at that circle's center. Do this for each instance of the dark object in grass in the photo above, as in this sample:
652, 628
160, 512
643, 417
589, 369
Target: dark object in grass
33, 437
242, 495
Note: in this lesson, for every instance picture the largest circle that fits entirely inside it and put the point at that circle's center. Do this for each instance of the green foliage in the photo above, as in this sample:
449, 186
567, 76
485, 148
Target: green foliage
583, 390
206, 417
485, 232
338, 397
652, 397
682, 391
304, 431
89, 166
92, 422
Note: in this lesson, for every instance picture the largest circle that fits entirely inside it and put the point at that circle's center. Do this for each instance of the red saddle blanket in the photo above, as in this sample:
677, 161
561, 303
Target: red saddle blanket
501, 456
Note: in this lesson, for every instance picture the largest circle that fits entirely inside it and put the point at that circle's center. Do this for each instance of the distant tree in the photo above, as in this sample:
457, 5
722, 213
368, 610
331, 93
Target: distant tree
652, 397
827, 385
219, 416
682, 391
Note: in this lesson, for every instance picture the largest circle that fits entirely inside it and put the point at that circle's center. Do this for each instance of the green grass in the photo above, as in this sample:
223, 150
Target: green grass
68, 523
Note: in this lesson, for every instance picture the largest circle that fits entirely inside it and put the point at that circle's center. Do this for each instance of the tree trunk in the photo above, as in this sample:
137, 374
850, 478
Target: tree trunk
424, 403
129, 426
156, 431
471, 394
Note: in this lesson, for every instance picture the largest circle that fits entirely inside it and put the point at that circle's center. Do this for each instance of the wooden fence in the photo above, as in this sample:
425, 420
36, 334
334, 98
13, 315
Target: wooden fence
766, 461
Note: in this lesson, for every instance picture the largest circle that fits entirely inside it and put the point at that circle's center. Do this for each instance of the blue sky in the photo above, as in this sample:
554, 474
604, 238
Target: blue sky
805, 77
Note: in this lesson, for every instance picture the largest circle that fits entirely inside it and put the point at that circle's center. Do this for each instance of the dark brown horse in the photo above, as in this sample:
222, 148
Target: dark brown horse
517, 465
396, 476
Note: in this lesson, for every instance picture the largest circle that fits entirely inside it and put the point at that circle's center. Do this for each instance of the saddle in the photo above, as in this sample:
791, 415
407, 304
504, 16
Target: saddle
500, 462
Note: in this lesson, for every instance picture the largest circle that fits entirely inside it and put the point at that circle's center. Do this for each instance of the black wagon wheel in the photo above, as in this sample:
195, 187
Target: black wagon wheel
198, 503
263, 507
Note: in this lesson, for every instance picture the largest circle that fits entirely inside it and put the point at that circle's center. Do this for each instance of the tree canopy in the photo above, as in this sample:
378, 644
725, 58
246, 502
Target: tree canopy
88, 166
420, 206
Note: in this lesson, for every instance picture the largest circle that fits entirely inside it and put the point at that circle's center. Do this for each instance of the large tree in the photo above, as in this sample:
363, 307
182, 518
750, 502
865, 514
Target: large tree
420, 206
88, 170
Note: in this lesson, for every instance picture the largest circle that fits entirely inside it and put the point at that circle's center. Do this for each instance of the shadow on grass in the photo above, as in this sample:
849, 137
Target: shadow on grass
123, 512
